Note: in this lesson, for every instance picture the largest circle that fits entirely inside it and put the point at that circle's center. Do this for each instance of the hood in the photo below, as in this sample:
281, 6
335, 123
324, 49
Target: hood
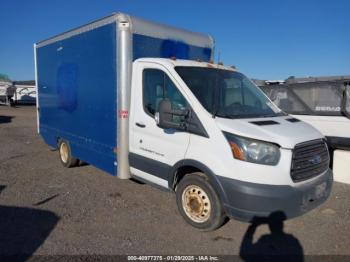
280, 130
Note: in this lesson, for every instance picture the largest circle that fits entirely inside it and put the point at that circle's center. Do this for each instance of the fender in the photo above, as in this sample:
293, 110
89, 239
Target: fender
208, 172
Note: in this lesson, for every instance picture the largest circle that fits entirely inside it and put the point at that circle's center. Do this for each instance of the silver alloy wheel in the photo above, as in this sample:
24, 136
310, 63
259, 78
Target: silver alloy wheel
196, 203
64, 152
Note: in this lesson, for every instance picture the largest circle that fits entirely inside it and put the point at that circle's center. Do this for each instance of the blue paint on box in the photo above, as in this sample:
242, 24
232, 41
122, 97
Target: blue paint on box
67, 86
77, 95
77, 86
146, 46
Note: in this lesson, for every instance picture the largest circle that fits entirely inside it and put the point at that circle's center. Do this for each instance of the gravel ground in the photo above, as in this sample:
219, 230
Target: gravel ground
48, 209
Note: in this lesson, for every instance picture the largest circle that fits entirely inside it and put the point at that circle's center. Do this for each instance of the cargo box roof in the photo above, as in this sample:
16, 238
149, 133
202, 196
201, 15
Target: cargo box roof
139, 26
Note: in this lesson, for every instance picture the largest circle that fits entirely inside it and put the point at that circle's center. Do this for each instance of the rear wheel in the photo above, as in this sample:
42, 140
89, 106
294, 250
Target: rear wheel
65, 152
198, 203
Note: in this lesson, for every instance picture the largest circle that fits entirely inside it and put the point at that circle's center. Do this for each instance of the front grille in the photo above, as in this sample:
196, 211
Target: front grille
309, 160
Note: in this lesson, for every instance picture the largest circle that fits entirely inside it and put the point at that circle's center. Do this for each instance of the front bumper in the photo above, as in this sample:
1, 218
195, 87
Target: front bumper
244, 200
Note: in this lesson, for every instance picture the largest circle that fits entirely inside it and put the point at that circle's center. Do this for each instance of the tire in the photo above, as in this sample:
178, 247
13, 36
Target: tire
198, 203
82, 163
65, 153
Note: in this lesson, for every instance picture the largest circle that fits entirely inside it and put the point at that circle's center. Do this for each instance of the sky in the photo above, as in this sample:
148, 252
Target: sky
264, 39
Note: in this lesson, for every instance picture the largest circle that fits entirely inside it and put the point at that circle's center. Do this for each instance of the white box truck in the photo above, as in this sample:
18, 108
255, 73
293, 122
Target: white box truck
145, 101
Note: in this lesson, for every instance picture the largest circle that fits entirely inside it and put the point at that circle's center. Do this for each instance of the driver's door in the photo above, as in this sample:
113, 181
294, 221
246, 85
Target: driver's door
153, 150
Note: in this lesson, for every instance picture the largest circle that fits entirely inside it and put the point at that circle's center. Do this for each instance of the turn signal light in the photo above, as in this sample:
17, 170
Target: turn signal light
237, 151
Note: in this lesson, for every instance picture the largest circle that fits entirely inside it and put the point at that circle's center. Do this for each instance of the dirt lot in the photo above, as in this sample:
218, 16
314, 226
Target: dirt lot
47, 209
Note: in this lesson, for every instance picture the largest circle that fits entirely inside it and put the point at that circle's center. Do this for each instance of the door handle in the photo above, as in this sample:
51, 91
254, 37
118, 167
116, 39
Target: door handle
140, 125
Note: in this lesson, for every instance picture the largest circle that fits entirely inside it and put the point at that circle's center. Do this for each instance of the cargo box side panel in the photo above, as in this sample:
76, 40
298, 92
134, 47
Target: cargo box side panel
77, 94
147, 46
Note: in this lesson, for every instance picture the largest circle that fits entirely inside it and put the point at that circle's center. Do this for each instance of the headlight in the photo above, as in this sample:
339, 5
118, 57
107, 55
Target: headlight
252, 150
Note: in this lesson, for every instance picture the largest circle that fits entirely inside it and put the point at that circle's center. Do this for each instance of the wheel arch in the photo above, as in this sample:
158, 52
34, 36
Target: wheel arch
187, 166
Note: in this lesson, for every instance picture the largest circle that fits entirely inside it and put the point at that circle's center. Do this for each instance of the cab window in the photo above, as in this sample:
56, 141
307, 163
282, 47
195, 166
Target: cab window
157, 86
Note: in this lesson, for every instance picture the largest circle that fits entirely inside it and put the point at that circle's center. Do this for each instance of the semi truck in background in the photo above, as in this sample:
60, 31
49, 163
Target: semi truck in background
142, 100
323, 102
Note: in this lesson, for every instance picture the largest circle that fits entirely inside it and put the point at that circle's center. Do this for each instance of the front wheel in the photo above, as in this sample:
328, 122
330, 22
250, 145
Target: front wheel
198, 203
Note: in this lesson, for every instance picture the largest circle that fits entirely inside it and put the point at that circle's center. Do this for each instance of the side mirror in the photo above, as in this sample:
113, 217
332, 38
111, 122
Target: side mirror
345, 107
164, 117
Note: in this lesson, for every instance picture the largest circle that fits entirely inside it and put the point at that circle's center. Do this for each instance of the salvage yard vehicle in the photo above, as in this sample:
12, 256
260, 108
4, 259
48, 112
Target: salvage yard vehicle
143, 100
25, 92
7, 90
323, 102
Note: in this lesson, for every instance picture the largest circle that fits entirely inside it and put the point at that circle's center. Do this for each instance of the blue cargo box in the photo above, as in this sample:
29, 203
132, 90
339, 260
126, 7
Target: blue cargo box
77, 80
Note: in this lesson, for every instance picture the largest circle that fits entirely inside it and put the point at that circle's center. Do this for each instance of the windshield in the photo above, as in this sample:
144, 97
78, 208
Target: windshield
227, 93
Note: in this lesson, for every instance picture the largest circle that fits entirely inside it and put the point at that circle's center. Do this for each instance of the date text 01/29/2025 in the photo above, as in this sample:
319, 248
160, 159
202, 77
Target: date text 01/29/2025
172, 258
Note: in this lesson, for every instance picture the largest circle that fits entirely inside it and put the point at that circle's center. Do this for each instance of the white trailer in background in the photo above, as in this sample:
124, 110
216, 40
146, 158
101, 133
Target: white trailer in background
7, 90
25, 92
324, 103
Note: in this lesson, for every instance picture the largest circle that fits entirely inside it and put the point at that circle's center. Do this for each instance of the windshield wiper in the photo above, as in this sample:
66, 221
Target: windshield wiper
215, 113
276, 115
237, 116
226, 116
